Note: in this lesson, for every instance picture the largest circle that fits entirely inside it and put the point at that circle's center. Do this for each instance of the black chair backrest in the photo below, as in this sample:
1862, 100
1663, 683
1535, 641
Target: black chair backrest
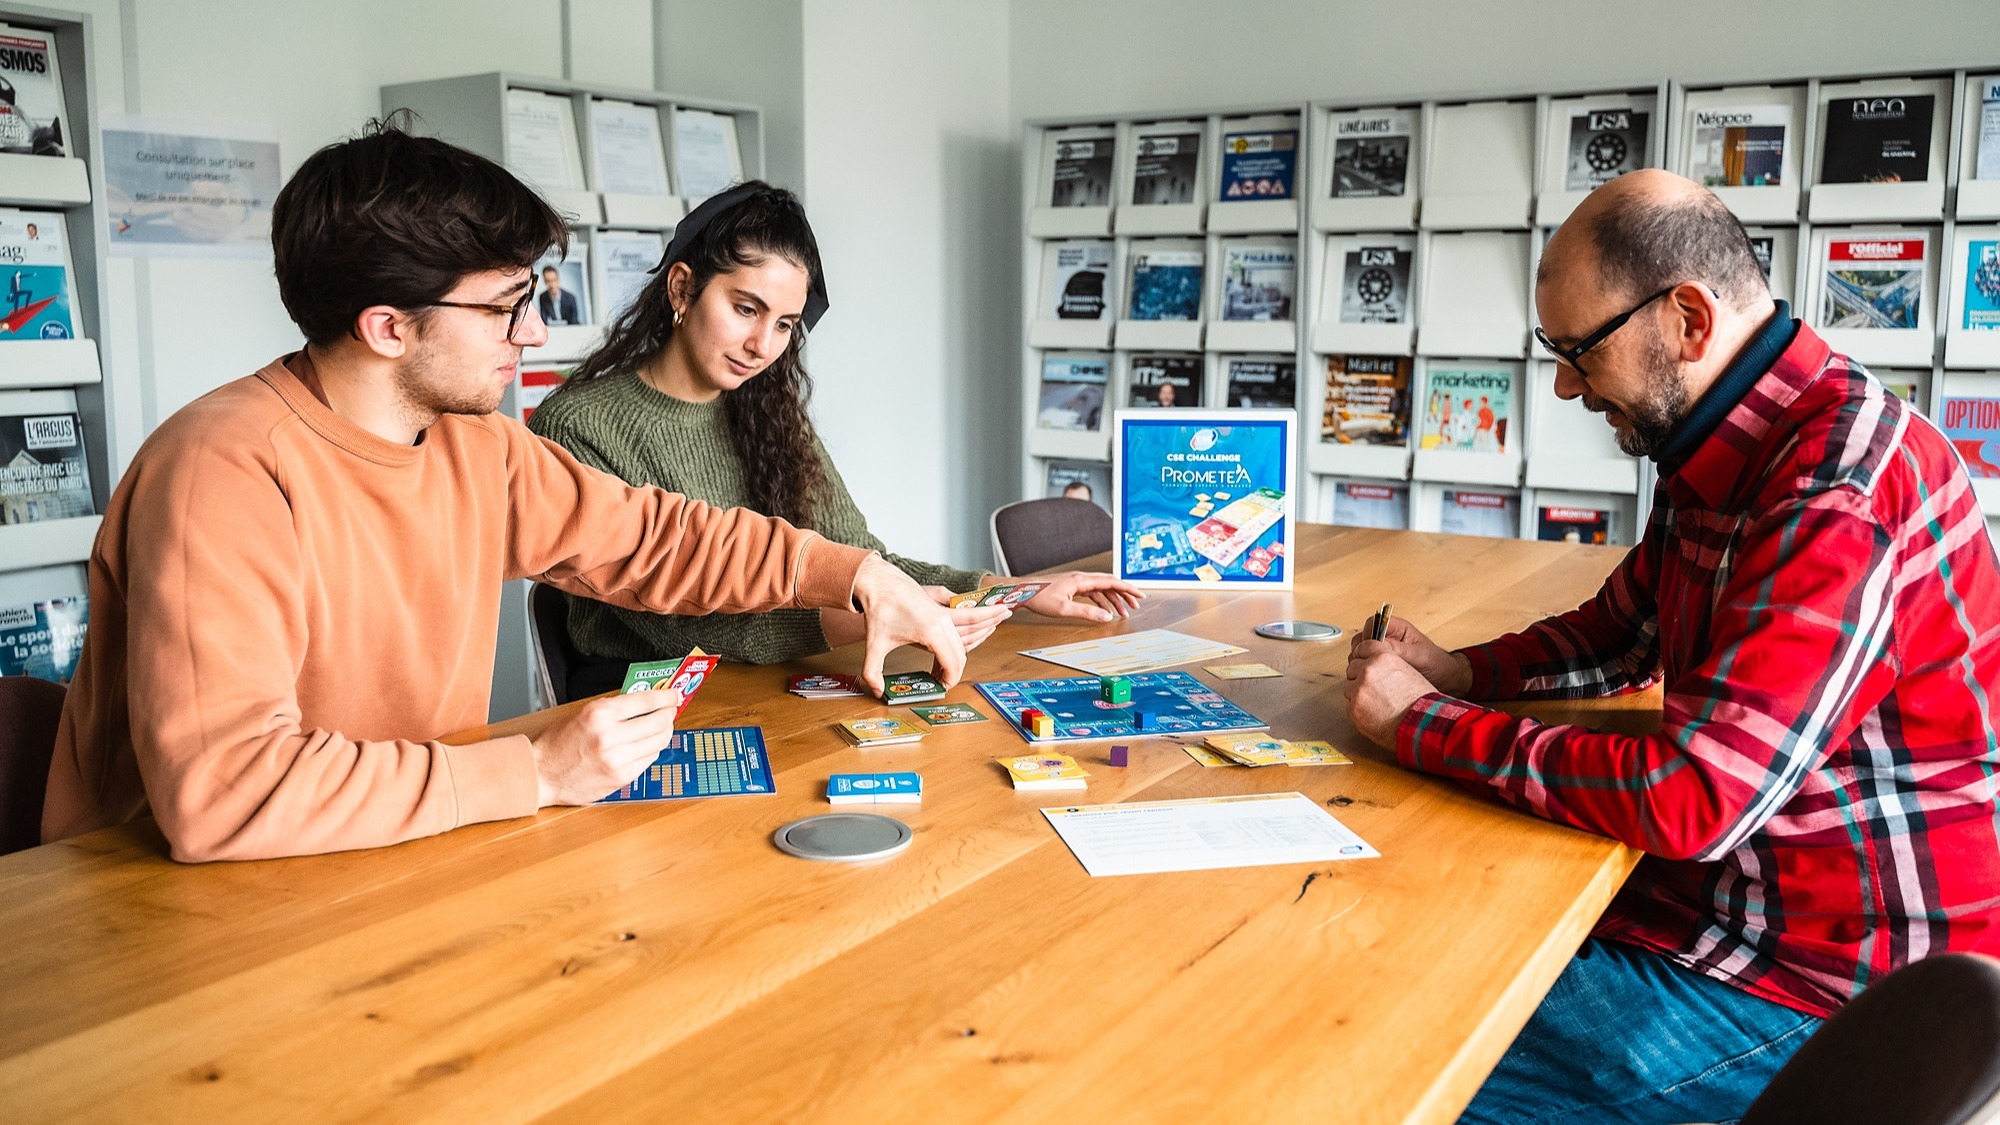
1920, 1047
1034, 535
29, 711
549, 612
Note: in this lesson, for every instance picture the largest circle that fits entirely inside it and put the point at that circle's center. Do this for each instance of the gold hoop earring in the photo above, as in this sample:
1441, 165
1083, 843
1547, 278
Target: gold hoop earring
677, 318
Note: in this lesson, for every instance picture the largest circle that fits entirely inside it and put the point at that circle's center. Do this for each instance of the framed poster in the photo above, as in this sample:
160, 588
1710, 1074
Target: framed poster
1204, 497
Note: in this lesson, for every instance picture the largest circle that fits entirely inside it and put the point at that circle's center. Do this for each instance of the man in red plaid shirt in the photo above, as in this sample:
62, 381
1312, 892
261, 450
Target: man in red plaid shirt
1817, 590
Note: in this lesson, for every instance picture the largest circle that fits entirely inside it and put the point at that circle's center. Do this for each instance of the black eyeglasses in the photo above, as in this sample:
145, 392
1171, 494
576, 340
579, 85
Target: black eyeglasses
1571, 355
513, 312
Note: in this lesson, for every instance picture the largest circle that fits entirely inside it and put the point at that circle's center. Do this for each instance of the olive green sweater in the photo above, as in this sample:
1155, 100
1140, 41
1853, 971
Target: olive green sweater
621, 425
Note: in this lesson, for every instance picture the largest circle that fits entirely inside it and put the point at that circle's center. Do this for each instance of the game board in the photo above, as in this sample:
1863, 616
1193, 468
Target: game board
1181, 704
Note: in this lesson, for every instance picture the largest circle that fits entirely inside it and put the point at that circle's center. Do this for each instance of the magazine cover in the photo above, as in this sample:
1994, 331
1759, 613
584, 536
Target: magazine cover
1972, 425
1072, 392
1266, 381
43, 473
1371, 153
44, 639
35, 273
31, 101
1204, 499
1873, 283
1763, 246
1163, 168
1375, 285
1081, 480
1555, 523
1603, 145
1075, 280
1495, 515
1166, 379
1982, 285
1878, 140
1467, 409
563, 293
1259, 165
1258, 282
1367, 400
1081, 173
1739, 146
1372, 504
1166, 284
627, 259
1987, 165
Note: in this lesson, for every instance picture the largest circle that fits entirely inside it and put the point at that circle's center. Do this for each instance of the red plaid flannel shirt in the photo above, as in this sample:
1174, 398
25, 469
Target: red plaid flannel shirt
1817, 588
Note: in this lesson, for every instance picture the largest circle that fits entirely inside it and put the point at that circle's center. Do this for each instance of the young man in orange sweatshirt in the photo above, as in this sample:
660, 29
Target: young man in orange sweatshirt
297, 584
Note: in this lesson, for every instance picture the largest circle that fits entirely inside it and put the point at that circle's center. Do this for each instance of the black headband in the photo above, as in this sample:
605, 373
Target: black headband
714, 205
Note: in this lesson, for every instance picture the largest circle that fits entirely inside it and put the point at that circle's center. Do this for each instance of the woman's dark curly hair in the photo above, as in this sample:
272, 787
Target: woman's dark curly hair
766, 416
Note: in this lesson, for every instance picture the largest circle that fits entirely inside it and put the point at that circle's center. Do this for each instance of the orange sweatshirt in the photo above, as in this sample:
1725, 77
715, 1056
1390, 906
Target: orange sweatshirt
287, 611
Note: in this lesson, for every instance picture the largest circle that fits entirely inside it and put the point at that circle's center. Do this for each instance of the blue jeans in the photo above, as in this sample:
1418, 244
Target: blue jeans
1628, 1036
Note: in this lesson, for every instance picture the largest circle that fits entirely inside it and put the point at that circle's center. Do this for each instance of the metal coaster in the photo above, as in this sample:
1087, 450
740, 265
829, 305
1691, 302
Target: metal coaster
844, 837
1298, 631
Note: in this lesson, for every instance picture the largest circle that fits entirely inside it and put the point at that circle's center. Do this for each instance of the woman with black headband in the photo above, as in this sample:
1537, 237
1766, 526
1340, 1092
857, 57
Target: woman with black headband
700, 387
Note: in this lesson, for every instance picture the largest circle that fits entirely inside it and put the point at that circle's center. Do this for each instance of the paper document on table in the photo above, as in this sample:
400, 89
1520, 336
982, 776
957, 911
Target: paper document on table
1133, 652
1205, 833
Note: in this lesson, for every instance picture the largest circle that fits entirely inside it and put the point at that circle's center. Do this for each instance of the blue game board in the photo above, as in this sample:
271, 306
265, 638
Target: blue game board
1181, 703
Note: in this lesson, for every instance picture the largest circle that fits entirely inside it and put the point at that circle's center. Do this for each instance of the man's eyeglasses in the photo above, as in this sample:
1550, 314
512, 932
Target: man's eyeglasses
513, 312
1570, 356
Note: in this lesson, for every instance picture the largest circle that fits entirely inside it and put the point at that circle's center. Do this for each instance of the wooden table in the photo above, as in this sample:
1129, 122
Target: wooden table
653, 962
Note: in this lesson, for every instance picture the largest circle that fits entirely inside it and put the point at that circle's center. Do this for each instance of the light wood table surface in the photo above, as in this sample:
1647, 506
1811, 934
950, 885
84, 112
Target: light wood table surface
657, 962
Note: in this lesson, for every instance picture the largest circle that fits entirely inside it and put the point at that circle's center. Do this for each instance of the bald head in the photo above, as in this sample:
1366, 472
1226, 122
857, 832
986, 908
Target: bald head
1649, 229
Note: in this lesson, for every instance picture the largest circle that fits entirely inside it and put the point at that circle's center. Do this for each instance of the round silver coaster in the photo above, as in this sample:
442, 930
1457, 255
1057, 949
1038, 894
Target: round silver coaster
844, 837
1298, 631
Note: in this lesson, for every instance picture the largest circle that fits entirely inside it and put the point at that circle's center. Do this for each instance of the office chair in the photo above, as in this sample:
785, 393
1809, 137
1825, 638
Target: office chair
554, 657
29, 711
1033, 535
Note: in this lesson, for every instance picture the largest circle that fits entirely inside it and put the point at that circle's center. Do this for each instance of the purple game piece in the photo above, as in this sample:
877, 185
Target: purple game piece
1118, 756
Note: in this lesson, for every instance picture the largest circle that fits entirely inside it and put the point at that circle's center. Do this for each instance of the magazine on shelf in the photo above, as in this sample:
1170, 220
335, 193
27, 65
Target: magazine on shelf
31, 116
1258, 282
1080, 171
1466, 409
1603, 145
1878, 140
1982, 286
34, 278
1072, 392
541, 140
44, 639
1972, 425
562, 291
1262, 381
43, 472
1259, 165
1763, 247
1076, 280
1359, 503
1987, 164
1375, 285
1081, 480
1166, 284
1164, 167
1562, 523
1899, 384
1495, 515
1740, 146
625, 146
626, 260
1166, 379
706, 159
1371, 153
1875, 281
1367, 400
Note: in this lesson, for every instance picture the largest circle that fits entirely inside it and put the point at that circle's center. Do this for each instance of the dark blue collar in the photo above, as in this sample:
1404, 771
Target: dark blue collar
1758, 354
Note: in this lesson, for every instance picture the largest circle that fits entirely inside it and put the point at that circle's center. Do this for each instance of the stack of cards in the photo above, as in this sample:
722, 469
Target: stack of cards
1045, 771
875, 789
877, 731
1241, 671
685, 675
947, 714
1264, 750
1000, 593
911, 687
822, 686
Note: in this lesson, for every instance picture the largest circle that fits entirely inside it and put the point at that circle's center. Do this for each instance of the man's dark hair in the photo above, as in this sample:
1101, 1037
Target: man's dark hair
390, 218
1646, 245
